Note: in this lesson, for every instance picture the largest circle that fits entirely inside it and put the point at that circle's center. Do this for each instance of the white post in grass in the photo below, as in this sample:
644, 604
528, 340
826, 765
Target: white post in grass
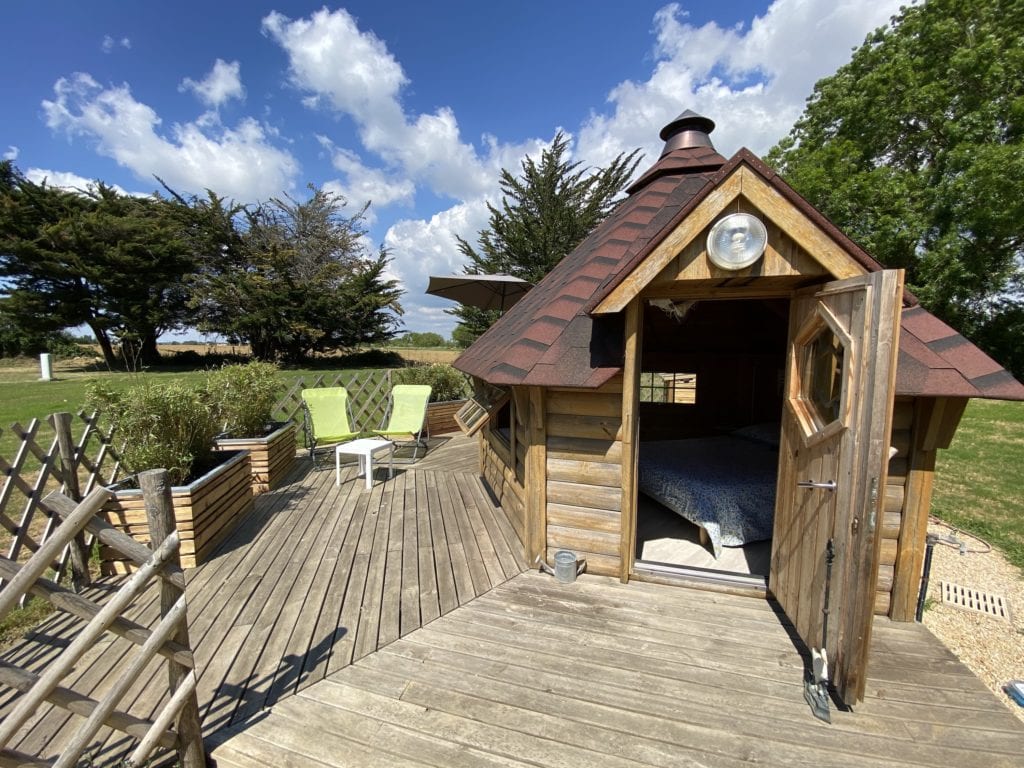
45, 367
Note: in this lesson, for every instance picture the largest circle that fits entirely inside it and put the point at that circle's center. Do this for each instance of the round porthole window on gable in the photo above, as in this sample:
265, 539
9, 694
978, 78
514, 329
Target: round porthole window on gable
818, 390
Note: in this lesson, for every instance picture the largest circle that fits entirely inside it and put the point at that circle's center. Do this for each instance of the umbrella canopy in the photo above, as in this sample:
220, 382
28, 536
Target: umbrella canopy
484, 291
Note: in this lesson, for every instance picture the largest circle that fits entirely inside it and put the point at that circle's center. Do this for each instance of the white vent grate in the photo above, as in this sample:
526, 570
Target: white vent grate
975, 600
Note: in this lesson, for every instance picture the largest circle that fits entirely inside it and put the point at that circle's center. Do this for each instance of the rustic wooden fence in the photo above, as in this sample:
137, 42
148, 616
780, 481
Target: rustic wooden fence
75, 466
175, 726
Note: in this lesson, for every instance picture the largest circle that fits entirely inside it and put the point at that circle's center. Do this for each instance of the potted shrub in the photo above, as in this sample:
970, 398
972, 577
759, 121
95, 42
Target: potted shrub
243, 398
171, 426
448, 392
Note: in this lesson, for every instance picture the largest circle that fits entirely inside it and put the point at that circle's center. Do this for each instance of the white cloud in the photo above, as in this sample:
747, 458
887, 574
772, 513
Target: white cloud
427, 247
237, 162
354, 73
431, 242
109, 43
223, 83
70, 181
752, 81
11, 153
363, 183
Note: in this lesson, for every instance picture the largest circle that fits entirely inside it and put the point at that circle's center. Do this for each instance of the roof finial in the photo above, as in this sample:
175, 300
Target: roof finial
687, 131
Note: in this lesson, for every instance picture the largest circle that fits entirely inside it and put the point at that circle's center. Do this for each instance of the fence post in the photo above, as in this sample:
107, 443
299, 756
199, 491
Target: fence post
156, 493
61, 423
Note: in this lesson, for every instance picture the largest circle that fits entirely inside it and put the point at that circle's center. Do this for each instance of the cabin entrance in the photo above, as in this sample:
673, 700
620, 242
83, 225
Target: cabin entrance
764, 424
711, 400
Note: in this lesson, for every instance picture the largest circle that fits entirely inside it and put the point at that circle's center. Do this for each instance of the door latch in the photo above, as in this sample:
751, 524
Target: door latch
828, 485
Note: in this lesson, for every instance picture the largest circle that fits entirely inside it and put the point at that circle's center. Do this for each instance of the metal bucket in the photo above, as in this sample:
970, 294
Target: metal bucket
565, 566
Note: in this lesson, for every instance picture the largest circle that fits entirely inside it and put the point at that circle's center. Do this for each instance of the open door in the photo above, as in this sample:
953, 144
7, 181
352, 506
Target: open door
843, 339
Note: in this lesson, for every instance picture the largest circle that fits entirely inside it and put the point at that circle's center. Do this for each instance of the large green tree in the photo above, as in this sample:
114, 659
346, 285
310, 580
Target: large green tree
98, 258
915, 149
544, 213
299, 278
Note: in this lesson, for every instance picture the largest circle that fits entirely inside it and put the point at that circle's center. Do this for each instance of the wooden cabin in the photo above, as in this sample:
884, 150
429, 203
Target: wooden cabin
676, 402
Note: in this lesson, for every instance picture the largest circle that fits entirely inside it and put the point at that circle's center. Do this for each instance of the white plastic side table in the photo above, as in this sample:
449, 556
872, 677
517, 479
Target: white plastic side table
365, 449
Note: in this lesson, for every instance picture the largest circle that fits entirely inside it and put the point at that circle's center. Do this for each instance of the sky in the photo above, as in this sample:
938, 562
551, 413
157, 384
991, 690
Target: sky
413, 106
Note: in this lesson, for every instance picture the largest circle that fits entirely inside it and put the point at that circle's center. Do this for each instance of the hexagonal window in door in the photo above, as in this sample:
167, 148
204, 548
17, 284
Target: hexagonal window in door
818, 385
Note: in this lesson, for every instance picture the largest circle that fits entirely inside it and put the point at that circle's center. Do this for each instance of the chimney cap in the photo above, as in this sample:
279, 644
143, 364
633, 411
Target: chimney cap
687, 121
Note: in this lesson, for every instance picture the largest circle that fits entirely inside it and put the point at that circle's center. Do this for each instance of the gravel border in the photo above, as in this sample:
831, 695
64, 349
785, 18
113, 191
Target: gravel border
990, 647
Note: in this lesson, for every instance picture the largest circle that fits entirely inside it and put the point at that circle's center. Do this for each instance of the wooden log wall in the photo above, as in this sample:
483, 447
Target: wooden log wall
932, 424
505, 478
584, 475
921, 427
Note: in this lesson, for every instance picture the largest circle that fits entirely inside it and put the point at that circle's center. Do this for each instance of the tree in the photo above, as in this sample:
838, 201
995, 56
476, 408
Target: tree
99, 258
543, 215
298, 279
915, 149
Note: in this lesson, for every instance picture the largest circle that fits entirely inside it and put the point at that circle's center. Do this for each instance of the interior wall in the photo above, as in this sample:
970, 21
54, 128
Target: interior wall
736, 349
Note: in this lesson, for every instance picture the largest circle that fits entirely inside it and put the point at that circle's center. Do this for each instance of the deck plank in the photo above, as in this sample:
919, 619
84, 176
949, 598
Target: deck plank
447, 594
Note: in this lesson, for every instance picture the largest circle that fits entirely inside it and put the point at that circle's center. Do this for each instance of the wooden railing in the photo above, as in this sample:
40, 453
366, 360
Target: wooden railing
175, 726
73, 466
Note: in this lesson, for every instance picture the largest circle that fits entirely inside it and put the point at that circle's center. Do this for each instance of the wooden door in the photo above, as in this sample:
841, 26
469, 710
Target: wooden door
833, 460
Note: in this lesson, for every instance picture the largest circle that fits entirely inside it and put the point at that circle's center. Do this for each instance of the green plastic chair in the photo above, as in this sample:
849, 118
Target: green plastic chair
327, 418
406, 416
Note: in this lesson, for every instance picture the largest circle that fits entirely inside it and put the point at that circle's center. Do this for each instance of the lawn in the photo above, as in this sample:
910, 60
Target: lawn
979, 483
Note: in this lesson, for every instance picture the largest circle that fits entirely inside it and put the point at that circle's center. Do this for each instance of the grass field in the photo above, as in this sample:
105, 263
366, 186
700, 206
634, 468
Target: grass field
979, 483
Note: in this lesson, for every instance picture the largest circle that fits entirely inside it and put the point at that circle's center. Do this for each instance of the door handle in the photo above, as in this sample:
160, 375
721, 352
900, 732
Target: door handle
828, 485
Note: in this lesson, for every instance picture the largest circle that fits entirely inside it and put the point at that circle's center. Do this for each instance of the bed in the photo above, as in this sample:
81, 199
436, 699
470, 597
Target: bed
725, 485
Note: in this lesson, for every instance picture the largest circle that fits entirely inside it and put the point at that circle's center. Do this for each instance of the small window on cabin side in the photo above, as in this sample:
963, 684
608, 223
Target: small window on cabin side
501, 421
677, 388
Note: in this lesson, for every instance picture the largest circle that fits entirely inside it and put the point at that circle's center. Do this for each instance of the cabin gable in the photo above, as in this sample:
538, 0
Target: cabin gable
799, 250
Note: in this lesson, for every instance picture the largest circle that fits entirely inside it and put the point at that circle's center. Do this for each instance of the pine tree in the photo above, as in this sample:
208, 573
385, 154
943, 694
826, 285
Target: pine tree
544, 213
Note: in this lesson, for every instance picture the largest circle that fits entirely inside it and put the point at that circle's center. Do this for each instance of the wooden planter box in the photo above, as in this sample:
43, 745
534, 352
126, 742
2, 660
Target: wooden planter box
441, 416
205, 512
271, 457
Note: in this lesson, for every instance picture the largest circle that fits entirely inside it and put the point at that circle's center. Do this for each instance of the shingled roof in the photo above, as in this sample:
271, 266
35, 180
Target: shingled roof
551, 339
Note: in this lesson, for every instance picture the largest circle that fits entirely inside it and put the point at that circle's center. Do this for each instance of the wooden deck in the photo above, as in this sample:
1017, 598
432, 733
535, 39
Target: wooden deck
341, 627
318, 576
601, 674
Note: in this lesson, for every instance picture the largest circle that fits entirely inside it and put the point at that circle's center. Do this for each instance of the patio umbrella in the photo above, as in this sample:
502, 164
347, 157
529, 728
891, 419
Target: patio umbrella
499, 292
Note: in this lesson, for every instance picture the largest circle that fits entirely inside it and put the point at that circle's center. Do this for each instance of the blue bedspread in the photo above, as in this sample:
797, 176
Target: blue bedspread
725, 484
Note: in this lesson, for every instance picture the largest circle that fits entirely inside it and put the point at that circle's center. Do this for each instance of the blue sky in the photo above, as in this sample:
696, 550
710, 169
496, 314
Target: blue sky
415, 106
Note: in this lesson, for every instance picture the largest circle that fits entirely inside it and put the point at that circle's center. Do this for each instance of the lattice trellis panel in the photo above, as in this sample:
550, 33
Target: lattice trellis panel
367, 391
37, 468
